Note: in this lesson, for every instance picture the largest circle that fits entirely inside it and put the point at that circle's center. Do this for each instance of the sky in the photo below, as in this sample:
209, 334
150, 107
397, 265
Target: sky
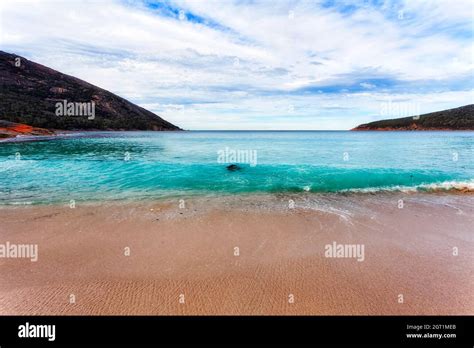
267, 65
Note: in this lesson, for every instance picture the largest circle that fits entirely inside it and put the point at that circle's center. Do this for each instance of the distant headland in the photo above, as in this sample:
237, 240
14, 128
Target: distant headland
461, 118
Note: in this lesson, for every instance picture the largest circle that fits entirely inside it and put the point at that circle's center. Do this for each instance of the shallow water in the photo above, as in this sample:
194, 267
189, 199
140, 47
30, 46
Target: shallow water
138, 165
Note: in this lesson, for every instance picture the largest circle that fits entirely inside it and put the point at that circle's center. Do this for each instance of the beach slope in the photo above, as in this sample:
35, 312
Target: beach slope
247, 255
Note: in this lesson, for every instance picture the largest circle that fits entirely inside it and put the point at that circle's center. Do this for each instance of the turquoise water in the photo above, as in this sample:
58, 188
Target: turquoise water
138, 165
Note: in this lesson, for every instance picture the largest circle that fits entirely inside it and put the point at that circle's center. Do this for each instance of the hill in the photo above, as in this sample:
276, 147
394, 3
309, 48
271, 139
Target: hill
38, 96
461, 118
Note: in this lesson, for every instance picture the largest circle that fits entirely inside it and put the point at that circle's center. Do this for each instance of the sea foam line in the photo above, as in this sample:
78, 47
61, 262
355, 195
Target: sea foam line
465, 186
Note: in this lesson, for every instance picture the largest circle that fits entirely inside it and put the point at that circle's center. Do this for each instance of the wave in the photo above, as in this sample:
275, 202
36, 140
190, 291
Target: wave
446, 186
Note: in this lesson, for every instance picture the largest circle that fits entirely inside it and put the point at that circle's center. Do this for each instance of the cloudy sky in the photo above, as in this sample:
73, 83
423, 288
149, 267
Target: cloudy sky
257, 64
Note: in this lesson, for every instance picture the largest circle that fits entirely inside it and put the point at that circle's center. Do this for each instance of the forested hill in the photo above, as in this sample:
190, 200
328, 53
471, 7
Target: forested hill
30, 93
461, 118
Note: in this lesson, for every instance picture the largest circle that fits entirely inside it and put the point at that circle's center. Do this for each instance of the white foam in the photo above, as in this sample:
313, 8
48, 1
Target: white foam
445, 186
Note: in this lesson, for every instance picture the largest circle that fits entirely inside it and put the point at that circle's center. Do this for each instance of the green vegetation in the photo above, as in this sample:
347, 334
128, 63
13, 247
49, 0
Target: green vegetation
461, 118
29, 93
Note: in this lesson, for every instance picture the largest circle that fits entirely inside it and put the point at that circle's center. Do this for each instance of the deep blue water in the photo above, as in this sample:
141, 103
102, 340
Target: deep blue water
136, 165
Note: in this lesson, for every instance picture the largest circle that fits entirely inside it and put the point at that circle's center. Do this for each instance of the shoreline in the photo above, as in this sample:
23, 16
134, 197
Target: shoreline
455, 188
190, 251
61, 134
67, 134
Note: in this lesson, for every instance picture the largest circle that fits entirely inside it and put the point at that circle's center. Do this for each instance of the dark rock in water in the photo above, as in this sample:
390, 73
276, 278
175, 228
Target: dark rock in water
233, 167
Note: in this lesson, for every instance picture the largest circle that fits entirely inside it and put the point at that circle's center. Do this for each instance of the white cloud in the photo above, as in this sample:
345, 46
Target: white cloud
162, 62
366, 85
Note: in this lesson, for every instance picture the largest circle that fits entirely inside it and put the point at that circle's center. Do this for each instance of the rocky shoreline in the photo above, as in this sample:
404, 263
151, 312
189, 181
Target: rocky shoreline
12, 130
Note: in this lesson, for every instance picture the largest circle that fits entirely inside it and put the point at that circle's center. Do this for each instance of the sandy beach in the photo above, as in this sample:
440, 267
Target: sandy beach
257, 255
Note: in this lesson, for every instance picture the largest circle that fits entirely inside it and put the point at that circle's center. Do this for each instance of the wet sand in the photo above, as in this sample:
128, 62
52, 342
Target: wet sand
280, 266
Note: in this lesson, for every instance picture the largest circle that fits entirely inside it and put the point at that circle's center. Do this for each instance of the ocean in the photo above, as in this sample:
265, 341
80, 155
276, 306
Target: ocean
103, 166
